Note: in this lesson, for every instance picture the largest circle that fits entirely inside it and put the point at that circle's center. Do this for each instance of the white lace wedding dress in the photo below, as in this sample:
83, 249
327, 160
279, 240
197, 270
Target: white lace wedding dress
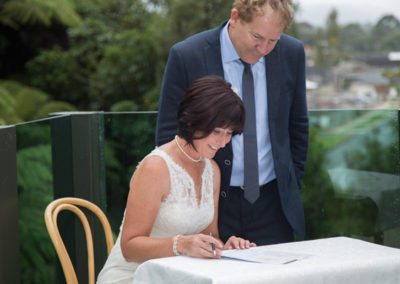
179, 214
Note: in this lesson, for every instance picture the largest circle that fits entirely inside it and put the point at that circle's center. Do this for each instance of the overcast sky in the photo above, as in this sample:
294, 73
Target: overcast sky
361, 11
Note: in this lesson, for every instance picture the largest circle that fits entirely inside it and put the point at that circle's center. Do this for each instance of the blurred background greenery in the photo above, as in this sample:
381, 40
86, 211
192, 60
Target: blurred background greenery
109, 55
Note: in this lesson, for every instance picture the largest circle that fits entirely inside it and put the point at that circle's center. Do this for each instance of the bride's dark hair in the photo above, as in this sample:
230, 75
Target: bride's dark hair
209, 103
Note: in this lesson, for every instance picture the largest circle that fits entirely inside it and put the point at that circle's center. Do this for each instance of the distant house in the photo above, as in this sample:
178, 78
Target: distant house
364, 92
370, 85
357, 83
382, 60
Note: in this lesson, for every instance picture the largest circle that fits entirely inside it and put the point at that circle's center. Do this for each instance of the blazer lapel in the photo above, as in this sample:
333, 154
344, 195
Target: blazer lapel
213, 53
214, 61
272, 63
214, 66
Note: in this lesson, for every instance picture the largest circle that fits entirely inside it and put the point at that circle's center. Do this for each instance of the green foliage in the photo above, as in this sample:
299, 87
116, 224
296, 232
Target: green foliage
334, 43
12, 86
19, 102
122, 106
150, 99
95, 53
328, 210
35, 192
372, 144
353, 37
376, 156
181, 18
52, 107
121, 74
190, 16
27, 102
125, 15
33, 134
391, 41
15, 13
54, 71
332, 29
64, 74
293, 28
373, 147
129, 139
320, 49
331, 42
385, 33
306, 32
317, 190
103, 66
131, 143
7, 107
88, 7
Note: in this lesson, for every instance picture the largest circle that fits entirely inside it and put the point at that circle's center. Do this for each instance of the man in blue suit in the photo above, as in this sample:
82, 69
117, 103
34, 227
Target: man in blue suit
254, 35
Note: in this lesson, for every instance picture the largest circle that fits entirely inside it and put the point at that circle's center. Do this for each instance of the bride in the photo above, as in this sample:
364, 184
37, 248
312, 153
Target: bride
172, 206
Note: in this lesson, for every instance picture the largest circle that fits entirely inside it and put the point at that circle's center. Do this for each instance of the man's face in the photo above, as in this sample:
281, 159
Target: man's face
257, 38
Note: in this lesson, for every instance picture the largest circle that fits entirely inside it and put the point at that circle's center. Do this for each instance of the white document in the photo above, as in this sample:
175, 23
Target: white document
263, 254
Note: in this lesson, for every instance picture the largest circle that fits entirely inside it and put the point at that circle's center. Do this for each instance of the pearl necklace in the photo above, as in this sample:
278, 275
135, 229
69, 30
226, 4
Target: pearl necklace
184, 153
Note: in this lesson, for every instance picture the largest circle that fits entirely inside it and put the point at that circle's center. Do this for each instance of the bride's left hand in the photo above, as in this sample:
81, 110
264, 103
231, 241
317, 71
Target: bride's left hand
238, 243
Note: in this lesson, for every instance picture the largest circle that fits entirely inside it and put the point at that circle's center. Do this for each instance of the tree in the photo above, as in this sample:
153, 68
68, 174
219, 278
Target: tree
306, 32
333, 37
19, 103
320, 49
383, 30
110, 57
332, 30
182, 18
117, 78
354, 38
391, 41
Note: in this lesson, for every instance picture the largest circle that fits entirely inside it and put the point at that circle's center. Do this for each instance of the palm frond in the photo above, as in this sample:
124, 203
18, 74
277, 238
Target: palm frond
42, 12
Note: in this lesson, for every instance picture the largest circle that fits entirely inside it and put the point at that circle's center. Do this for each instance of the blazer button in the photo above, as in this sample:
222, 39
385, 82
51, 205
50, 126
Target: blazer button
227, 162
223, 194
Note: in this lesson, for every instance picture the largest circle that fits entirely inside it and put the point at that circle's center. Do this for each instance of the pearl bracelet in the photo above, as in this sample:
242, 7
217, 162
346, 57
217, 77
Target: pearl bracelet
175, 244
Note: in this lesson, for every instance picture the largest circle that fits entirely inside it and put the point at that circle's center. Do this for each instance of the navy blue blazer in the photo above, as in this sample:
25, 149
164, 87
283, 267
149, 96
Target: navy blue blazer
200, 55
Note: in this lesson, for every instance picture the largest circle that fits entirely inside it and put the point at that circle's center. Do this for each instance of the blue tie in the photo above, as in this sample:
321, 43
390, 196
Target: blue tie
251, 186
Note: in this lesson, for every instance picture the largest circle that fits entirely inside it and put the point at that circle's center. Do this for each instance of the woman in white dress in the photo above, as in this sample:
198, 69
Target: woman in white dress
172, 206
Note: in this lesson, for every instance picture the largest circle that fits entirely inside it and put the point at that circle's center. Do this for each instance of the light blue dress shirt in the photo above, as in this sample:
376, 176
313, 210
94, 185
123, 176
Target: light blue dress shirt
233, 70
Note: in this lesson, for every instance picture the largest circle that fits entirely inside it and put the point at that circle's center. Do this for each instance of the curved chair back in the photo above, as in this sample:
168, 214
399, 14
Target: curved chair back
72, 204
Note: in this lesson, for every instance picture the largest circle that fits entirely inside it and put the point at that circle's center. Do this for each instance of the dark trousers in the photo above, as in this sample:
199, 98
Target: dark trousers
262, 222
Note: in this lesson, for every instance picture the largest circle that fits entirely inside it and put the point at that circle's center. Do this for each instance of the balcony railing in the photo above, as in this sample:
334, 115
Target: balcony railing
351, 186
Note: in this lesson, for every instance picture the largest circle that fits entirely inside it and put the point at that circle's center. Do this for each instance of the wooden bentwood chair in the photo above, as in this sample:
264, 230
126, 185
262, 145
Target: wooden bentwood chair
71, 204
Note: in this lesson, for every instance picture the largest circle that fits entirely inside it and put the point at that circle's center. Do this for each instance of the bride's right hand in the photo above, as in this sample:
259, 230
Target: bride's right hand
199, 246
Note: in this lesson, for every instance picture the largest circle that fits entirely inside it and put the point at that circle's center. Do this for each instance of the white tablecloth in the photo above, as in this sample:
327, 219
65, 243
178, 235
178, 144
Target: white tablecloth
333, 260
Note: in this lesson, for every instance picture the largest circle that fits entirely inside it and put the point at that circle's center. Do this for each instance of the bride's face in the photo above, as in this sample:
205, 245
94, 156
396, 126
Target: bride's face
217, 139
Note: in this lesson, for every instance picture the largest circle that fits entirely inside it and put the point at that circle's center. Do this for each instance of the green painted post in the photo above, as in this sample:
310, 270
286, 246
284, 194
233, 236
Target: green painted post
9, 240
79, 171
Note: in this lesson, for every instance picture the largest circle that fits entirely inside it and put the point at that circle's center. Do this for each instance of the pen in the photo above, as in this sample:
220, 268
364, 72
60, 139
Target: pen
290, 261
213, 246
